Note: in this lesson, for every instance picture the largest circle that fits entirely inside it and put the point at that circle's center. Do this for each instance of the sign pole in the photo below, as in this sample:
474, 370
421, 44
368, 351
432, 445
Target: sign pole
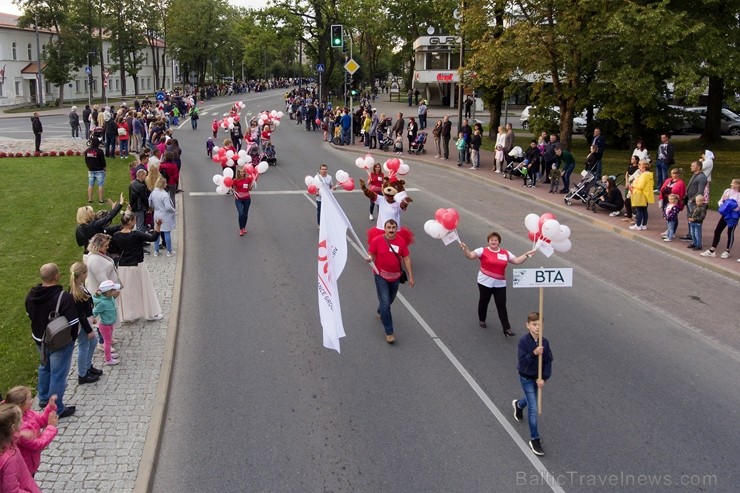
539, 362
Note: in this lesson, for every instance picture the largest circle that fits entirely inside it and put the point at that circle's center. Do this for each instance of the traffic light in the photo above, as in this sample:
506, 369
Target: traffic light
337, 36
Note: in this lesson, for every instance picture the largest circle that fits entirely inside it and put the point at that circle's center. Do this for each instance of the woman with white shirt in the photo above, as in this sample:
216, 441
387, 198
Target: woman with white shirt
707, 164
641, 152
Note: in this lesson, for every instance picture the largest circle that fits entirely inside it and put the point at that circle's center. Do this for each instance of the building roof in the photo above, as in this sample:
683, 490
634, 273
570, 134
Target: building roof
33, 68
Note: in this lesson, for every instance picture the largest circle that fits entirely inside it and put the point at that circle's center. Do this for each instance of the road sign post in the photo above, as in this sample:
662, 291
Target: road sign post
542, 278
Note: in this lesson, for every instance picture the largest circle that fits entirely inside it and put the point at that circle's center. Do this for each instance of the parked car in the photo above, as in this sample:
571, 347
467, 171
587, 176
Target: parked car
579, 122
729, 124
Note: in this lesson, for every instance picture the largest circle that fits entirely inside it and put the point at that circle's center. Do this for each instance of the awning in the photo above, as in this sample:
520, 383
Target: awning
33, 68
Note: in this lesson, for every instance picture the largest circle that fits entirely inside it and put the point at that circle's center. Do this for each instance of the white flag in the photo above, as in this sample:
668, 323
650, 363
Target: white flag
332, 256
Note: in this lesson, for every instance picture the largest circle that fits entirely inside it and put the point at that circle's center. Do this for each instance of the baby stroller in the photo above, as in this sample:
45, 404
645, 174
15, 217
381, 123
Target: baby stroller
515, 163
417, 146
599, 191
386, 142
581, 191
268, 153
96, 132
337, 140
253, 151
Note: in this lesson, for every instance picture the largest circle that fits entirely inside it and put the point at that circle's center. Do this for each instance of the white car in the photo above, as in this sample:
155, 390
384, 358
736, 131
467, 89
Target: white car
579, 122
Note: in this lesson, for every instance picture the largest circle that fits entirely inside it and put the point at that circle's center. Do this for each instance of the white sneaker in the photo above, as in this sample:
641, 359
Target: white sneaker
170, 254
100, 348
156, 254
155, 318
614, 214
708, 253
635, 227
497, 171
667, 239
113, 362
643, 228
725, 254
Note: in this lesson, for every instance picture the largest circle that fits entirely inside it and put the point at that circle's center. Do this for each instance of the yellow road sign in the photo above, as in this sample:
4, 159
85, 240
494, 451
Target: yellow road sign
351, 66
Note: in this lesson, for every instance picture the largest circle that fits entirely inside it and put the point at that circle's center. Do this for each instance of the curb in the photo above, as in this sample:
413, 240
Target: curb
152, 443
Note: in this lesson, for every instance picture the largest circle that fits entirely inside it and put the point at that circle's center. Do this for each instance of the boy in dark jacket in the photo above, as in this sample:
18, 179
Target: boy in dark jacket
529, 353
696, 218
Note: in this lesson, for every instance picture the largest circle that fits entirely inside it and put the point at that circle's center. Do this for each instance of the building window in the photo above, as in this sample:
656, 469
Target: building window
436, 61
18, 88
48, 86
30, 53
1, 90
77, 86
15, 51
107, 56
118, 84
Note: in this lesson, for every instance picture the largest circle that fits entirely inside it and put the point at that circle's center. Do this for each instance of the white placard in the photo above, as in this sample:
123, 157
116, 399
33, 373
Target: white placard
450, 237
543, 278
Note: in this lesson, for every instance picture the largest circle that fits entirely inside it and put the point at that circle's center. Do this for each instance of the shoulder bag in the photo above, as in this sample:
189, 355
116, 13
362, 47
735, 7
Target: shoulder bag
403, 277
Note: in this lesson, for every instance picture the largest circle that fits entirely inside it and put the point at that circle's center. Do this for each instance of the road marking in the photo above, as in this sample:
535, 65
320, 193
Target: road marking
283, 192
549, 479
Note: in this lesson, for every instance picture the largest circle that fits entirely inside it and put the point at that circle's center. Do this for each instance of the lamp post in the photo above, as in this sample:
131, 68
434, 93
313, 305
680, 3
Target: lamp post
90, 76
39, 77
458, 14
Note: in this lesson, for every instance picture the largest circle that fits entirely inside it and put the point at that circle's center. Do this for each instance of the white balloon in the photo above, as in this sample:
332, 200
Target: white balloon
277, 124
316, 182
562, 234
359, 162
341, 176
215, 150
428, 226
403, 169
369, 161
228, 173
437, 230
273, 113
231, 126
229, 154
385, 168
222, 190
218, 179
308, 180
243, 153
550, 228
241, 161
230, 120
562, 246
262, 167
280, 114
532, 222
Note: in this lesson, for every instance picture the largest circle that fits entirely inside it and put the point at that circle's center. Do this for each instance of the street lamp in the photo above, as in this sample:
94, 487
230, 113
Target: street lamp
89, 76
458, 15
39, 77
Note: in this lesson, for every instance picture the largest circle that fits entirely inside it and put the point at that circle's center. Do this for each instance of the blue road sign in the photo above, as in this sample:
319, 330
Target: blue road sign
88, 70
160, 96
320, 68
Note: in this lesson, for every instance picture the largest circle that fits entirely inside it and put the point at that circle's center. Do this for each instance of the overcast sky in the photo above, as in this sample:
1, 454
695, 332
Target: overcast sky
7, 7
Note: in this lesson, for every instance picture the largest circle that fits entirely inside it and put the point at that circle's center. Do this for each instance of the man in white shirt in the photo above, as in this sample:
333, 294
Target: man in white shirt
324, 177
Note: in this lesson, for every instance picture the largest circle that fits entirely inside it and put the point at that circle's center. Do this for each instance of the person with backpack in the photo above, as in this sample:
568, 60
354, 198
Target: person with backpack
194, 117
46, 304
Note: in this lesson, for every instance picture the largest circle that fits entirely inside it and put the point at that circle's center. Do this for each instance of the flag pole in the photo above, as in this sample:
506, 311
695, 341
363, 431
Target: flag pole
362, 248
539, 358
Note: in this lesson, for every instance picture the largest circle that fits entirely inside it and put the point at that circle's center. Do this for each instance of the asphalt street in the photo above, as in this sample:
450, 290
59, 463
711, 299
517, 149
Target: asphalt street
645, 345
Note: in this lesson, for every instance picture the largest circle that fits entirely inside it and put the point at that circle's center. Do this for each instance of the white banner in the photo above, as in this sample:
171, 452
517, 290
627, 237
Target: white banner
542, 278
332, 256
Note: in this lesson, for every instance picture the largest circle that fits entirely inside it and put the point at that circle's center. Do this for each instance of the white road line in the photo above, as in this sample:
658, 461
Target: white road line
283, 192
548, 478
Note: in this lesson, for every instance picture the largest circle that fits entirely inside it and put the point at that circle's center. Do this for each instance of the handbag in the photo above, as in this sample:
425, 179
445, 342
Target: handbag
58, 332
403, 277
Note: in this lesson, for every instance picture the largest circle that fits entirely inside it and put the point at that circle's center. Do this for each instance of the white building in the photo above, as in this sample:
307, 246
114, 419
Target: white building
436, 60
19, 69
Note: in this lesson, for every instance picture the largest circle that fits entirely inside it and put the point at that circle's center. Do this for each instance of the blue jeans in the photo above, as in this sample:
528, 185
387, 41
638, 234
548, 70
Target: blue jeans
566, 176
242, 208
53, 375
641, 215
318, 212
529, 386
123, 147
346, 137
461, 156
695, 232
110, 145
167, 241
671, 227
386, 295
194, 123
661, 172
85, 352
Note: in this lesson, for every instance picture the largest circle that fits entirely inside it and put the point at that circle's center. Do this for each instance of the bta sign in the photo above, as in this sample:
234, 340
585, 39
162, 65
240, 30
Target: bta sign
542, 278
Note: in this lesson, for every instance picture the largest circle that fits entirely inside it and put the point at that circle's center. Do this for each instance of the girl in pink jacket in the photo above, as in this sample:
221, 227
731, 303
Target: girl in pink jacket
14, 475
37, 430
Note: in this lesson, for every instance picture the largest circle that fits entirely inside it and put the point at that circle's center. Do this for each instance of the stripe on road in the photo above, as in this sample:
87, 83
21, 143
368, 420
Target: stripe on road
283, 192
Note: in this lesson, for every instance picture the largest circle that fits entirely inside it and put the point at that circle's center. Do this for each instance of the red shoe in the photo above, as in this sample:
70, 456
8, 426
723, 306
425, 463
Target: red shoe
241, 232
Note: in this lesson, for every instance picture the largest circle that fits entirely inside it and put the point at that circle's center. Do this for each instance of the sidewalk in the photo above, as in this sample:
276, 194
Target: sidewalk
554, 202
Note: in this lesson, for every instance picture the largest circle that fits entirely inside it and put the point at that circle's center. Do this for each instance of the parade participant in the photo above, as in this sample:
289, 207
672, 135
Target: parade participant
375, 184
492, 277
389, 252
324, 177
243, 183
528, 367
391, 201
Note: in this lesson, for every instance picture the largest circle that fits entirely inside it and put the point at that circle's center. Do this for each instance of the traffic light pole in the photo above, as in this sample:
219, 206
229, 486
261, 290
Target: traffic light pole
351, 99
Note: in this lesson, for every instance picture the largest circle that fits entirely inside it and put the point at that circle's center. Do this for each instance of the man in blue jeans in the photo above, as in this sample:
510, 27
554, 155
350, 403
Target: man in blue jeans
346, 121
664, 160
529, 353
388, 251
54, 369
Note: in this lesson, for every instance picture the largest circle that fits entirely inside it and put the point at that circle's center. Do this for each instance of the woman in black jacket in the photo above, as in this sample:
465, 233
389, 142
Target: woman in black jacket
139, 298
89, 224
613, 200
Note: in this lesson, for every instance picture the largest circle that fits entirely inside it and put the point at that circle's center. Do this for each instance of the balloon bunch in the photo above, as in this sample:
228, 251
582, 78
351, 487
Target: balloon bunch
227, 122
395, 167
347, 183
225, 180
365, 163
271, 118
546, 230
230, 158
445, 221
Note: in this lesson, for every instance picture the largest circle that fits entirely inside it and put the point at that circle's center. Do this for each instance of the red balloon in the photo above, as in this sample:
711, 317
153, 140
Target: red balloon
228, 182
216, 159
534, 236
221, 151
250, 169
312, 189
317, 122
454, 213
393, 164
438, 215
449, 221
349, 184
544, 217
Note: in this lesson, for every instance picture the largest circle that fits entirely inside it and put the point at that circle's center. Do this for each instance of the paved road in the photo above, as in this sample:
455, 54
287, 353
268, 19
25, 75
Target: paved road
645, 349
